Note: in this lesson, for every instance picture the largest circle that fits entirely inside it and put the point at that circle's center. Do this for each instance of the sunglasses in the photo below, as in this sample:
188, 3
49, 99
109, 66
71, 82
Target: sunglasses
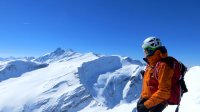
149, 51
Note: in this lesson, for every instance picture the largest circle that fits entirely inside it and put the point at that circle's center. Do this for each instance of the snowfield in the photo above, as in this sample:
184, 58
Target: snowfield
67, 81
11, 69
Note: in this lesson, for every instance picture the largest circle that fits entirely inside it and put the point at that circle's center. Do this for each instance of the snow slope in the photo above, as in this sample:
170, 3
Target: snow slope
75, 82
12, 69
191, 100
71, 83
51, 88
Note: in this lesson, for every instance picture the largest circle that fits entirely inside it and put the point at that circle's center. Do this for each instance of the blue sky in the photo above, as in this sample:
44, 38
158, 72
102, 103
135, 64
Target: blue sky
35, 27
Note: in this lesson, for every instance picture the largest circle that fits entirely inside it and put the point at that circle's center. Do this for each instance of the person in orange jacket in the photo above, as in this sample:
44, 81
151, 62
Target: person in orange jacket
155, 94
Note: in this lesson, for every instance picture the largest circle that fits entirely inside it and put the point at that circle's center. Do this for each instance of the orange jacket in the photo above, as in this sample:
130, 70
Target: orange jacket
157, 91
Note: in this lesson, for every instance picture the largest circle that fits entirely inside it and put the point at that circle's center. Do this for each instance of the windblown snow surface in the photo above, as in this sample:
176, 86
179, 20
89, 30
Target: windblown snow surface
67, 81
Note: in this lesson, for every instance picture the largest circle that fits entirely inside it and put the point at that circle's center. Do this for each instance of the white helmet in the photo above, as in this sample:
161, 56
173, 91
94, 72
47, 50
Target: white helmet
151, 42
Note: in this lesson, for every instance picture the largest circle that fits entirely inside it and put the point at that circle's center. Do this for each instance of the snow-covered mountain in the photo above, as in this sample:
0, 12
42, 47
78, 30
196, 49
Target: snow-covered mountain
67, 81
12, 69
16, 58
58, 54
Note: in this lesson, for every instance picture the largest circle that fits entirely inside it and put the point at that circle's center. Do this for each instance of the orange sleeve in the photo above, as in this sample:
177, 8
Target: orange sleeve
145, 91
165, 74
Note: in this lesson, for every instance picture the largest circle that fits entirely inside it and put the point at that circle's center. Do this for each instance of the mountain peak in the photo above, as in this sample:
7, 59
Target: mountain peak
59, 53
69, 50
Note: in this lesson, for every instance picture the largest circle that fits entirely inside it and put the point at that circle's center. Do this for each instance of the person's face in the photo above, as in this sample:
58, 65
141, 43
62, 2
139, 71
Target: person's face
149, 51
